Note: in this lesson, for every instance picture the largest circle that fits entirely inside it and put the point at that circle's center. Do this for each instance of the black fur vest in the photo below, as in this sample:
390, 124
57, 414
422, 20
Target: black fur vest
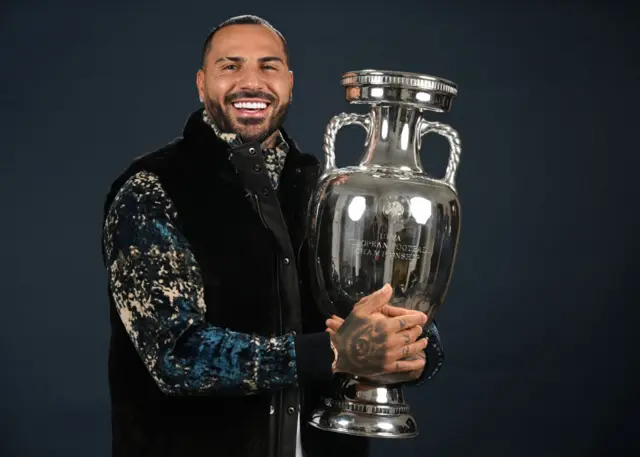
224, 208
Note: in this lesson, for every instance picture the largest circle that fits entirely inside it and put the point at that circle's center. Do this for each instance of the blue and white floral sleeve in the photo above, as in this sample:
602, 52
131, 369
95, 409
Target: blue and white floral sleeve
158, 291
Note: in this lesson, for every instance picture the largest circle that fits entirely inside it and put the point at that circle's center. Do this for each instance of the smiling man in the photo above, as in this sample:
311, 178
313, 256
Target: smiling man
217, 348
245, 82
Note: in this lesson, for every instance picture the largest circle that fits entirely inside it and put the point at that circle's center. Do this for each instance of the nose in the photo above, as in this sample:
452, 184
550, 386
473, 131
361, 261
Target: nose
251, 78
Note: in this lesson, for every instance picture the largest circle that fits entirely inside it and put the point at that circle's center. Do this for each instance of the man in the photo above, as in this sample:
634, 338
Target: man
217, 348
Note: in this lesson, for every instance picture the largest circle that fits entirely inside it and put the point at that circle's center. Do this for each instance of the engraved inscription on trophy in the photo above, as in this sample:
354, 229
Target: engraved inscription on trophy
380, 249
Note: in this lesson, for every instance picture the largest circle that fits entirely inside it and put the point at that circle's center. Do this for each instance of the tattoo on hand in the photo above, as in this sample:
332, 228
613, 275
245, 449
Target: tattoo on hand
362, 345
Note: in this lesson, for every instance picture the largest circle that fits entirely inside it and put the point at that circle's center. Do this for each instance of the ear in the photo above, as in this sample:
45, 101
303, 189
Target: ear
200, 84
290, 85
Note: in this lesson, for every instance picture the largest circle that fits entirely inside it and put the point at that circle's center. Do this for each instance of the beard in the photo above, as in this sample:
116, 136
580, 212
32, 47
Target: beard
248, 129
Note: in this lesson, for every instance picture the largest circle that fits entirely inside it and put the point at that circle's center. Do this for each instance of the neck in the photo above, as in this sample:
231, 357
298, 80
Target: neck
394, 138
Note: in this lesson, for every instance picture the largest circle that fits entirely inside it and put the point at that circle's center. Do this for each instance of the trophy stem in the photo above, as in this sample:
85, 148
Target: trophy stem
394, 138
361, 408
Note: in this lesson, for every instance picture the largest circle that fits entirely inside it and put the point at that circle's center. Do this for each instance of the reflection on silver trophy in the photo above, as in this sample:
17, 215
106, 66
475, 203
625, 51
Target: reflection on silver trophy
382, 221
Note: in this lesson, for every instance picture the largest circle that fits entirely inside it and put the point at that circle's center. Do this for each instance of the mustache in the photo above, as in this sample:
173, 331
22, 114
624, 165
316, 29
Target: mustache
230, 98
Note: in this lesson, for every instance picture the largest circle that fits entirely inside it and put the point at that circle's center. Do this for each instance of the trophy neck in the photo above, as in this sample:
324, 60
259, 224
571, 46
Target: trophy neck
394, 138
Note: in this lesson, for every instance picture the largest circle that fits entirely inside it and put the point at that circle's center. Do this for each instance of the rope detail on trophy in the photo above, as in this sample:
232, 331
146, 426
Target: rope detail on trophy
336, 123
454, 147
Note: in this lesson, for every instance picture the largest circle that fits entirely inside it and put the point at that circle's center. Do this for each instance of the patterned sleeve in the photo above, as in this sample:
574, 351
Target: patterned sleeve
158, 291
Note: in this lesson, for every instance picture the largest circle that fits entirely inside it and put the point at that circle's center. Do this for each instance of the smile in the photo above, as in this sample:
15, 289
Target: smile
251, 108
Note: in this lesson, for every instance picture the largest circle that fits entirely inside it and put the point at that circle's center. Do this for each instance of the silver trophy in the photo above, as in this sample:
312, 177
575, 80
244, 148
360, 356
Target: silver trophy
383, 221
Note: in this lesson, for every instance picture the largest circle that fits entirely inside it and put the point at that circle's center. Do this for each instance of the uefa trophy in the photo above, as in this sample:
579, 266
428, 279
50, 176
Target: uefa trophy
383, 221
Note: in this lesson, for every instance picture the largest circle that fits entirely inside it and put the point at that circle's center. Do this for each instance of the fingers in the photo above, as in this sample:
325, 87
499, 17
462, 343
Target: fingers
411, 349
405, 337
374, 302
400, 366
334, 323
395, 311
401, 323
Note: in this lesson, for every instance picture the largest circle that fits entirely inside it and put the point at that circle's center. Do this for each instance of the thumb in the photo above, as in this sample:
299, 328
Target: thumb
377, 300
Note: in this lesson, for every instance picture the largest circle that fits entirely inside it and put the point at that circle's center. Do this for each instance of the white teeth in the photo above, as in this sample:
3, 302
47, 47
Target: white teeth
250, 105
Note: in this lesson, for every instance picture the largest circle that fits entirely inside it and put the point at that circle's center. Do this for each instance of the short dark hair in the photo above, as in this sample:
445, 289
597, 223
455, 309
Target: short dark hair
241, 20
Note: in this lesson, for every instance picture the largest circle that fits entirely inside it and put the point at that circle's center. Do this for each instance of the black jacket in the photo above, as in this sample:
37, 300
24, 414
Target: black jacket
248, 241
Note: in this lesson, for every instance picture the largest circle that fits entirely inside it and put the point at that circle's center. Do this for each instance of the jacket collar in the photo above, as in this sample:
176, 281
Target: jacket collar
202, 137
234, 139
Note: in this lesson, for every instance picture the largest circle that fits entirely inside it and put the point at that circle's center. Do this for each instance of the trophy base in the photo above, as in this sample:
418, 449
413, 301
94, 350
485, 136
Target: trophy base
399, 426
372, 411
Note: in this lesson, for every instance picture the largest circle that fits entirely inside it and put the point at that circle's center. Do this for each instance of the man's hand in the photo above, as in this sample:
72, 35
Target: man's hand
377, 338
335, 322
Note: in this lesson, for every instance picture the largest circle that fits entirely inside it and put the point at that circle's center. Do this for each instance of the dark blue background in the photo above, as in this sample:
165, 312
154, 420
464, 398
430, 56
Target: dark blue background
538, 325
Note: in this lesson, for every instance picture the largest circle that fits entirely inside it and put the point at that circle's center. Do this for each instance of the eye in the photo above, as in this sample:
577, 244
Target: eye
230, 66
270, 67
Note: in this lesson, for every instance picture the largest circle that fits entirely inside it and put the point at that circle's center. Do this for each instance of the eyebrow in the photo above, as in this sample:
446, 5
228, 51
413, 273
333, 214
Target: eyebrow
242, 59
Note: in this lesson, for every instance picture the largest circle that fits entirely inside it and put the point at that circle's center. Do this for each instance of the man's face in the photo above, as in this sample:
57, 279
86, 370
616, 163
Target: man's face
246, 83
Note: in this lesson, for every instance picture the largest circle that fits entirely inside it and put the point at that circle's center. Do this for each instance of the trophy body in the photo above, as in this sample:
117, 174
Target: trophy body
382, 221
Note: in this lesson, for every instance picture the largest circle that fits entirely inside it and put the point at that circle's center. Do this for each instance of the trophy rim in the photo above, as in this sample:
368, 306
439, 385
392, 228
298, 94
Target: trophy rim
399, 79
418, 90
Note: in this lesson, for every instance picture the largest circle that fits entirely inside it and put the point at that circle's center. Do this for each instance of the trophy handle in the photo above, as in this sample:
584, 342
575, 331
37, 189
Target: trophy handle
454, 147
336, 123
